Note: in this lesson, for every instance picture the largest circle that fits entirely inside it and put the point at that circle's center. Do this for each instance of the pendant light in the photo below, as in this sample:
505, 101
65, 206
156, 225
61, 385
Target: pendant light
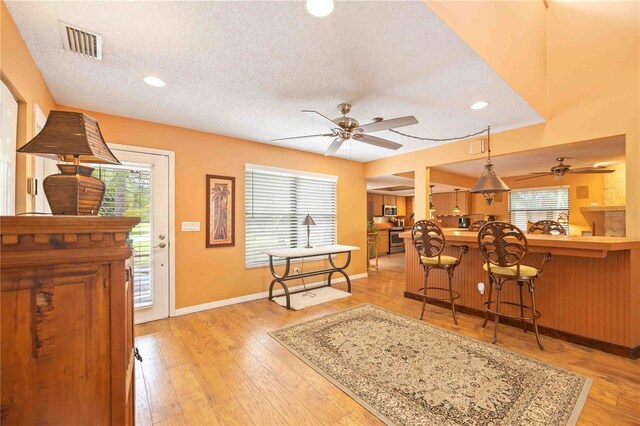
456, 209
489, 184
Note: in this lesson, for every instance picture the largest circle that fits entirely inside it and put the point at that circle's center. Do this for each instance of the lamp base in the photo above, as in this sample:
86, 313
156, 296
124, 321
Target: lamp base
74, 191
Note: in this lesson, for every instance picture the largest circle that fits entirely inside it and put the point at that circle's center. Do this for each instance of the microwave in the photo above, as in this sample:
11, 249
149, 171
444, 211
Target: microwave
389, 210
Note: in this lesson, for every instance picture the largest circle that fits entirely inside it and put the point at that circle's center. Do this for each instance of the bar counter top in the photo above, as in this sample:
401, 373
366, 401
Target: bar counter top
556, 244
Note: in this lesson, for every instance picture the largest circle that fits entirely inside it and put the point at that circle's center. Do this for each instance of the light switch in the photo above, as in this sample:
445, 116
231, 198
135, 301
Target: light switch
190, 226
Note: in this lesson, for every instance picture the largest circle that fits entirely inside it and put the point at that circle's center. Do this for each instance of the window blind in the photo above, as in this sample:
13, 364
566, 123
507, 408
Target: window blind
276, 203
128, 193
532, 205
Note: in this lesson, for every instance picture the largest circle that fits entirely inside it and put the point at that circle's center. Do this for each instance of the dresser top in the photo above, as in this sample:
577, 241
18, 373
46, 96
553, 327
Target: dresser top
21, 225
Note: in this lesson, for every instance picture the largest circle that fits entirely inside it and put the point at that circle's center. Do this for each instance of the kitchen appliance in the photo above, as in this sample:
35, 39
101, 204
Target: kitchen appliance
388, 210
463, 222
396, 245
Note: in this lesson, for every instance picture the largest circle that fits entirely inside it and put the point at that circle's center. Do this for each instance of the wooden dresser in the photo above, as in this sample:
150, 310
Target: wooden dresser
67, 321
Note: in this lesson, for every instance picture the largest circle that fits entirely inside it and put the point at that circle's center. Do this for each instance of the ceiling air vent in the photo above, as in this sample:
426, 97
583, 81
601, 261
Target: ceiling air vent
81, 41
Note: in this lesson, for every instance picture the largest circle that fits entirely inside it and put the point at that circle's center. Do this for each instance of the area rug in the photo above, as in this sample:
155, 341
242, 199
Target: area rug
408, 372
313, 297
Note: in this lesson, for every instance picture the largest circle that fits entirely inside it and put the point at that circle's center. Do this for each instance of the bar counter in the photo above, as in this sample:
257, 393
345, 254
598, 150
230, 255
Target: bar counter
588, 294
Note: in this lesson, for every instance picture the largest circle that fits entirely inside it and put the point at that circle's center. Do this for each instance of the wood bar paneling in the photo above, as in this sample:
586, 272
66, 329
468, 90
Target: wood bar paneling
593, 297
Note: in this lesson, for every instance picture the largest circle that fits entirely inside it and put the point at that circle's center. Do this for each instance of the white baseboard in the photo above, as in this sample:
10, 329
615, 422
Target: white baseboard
249, 297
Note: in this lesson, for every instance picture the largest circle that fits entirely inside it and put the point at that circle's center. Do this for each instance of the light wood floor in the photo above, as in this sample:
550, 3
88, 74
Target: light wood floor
221, 367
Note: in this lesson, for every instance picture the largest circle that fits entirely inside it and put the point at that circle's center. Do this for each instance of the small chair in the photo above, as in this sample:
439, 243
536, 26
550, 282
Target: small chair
429, 242
547, 227
475, 226
503, 247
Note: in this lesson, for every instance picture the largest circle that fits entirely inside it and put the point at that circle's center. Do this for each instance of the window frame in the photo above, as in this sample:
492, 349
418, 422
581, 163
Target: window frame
293, 174
527, 211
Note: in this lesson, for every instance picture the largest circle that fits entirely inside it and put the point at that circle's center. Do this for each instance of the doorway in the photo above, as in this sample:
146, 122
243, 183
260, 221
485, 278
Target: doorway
141, 187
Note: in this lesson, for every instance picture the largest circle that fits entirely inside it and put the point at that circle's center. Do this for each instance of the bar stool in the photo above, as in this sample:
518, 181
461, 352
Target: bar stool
503, 247
547, 227
429, 242
475, 226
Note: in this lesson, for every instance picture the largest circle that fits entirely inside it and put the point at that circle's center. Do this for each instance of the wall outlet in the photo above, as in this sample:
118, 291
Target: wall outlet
296, 270
190, 226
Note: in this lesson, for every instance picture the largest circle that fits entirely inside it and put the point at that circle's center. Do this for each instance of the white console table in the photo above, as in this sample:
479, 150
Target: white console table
289, 254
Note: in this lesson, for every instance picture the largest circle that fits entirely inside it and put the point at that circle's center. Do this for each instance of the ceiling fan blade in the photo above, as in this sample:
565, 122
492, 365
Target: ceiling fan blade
587, 170
316, 113
374, 140
537, 174
334, 147
389, 124
302, 137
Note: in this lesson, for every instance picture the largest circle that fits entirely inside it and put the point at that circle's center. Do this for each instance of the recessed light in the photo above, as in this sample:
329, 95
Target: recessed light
154, 81
319, 8
479, 105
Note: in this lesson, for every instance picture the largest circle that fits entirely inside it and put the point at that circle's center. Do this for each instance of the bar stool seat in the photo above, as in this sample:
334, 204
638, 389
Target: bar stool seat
439, 260
512, 271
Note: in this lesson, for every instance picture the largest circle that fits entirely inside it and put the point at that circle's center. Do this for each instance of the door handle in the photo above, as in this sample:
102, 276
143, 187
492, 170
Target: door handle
161, 245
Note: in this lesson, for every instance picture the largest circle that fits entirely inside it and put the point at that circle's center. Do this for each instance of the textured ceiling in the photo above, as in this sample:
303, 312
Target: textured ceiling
246, 69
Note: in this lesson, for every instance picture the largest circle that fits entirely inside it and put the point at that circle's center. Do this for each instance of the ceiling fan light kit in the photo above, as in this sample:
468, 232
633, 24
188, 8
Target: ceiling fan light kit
346, 128
489, 183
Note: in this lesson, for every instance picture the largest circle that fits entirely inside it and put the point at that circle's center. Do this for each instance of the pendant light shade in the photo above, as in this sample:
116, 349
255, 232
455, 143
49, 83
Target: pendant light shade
489, 183
456, 209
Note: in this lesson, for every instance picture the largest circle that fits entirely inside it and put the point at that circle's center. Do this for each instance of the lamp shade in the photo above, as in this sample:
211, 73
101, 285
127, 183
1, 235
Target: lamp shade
70, 136
489, 182
308, 220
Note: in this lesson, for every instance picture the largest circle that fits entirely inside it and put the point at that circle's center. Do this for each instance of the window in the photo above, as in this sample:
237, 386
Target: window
532, 205
128, 193
276, 203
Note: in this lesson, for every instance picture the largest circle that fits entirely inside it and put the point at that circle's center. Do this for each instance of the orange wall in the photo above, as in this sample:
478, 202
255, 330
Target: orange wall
21, 75
210, 274
510, 35
593, 82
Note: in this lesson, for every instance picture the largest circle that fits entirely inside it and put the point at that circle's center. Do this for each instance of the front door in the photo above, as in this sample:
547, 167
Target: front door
140, 187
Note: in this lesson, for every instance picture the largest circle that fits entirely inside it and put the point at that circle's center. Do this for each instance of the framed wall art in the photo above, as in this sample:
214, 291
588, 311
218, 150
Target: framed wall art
221, 200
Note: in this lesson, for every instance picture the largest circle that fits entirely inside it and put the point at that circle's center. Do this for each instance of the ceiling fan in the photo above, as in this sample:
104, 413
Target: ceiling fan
564, 169
345, 128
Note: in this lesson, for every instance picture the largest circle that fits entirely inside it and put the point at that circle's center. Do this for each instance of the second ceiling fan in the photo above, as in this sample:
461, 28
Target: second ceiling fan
564, 169
345, 128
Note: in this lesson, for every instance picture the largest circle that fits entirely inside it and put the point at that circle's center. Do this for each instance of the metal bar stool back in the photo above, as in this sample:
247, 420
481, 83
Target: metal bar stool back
475, 226
503, 247
547, 227
429, 241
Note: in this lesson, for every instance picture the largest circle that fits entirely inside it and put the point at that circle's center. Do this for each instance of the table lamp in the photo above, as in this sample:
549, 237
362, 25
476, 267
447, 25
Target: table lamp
72, 137
308, 221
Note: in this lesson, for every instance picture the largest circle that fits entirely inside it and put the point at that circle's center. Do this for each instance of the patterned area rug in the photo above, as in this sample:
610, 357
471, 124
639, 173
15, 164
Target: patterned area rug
408, 372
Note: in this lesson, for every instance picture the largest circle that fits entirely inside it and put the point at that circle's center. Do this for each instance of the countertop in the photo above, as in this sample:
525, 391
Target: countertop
559, 244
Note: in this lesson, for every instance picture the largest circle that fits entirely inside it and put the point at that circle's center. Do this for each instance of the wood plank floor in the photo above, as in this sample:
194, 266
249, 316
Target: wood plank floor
221, 367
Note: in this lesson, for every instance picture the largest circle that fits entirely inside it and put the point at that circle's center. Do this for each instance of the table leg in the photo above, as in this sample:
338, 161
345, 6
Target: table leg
341, 269
280, 279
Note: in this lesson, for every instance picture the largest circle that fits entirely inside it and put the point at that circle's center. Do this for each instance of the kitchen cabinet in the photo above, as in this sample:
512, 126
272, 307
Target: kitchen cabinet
441, 203
409, 210
377, 201
383, 242
402, 206
389, 200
